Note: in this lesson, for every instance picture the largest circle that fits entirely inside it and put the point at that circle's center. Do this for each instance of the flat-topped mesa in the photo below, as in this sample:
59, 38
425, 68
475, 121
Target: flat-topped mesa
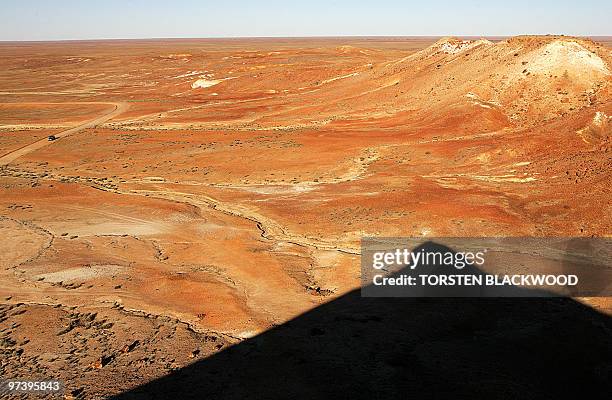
532, 41
546, 54
552, 53
528, 79
572, 56
538, 78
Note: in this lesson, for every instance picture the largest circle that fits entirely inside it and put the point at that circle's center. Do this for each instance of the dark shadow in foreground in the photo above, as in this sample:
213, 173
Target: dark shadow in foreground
401, 348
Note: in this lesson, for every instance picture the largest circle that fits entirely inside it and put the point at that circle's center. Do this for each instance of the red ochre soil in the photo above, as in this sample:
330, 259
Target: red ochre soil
224, 185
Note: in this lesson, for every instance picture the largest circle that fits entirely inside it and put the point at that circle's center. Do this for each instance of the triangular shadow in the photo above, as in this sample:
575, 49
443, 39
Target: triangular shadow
401, 348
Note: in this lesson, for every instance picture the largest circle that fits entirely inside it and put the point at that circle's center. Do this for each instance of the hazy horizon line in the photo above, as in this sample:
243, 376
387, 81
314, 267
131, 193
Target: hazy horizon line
292, 37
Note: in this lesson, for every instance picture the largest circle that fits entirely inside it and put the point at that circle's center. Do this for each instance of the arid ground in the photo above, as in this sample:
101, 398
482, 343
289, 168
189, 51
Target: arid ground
200, 192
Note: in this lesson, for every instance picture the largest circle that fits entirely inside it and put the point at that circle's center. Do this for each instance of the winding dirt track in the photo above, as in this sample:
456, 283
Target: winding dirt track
15, 154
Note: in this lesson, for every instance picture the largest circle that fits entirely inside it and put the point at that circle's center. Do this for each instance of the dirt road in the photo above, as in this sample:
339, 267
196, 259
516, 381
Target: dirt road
15, 154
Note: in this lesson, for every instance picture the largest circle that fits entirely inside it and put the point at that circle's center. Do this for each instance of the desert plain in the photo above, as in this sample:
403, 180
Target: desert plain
201, 192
